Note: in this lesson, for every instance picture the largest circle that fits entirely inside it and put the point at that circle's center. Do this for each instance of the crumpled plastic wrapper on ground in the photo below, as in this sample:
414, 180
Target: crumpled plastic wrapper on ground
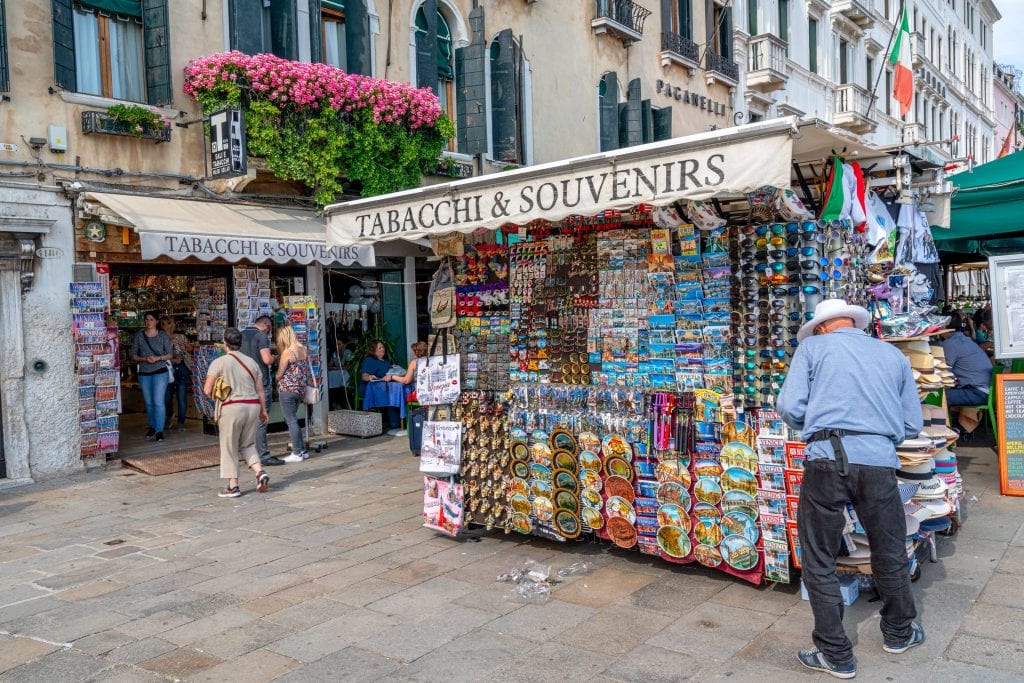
533, 581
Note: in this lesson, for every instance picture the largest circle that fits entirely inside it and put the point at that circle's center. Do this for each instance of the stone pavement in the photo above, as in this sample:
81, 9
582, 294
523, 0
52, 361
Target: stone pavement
116, 576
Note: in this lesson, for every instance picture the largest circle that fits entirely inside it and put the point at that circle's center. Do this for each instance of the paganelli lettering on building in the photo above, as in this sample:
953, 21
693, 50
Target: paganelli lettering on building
702, 102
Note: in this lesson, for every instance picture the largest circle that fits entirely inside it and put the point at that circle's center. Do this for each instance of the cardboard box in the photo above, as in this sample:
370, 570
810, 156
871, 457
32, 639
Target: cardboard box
849, 586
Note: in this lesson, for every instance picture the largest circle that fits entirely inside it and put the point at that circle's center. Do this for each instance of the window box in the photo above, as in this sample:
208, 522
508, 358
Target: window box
103, 123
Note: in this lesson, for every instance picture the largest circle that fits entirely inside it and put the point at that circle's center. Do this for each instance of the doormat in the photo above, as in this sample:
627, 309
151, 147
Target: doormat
174, 461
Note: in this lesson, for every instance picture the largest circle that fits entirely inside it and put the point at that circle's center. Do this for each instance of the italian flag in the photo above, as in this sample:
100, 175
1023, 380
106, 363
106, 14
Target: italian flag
903, 84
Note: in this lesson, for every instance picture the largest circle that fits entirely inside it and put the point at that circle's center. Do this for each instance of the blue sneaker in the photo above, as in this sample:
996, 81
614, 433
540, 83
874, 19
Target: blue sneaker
814, 659
916, 638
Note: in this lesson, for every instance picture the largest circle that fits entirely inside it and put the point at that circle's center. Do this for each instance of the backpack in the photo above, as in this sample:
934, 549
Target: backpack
441, 298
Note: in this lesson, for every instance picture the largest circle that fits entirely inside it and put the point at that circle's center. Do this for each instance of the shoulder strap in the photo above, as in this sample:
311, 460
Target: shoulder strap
145, 338
248, 372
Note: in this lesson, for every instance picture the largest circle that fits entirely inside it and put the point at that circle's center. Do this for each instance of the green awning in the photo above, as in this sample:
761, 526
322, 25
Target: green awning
337, 5
989, 202
123, 8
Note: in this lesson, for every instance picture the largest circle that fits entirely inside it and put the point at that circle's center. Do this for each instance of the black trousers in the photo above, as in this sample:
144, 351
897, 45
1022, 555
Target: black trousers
874, 495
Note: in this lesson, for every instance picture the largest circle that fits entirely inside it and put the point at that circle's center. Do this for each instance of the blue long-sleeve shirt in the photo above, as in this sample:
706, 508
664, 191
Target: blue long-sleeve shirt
848, 380
967, 360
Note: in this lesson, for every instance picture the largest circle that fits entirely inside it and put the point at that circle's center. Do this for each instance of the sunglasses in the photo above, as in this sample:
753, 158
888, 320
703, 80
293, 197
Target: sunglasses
776, 241
754, 341
805, 264
792, 252
797, 315
772, 353
773, 365
804, 277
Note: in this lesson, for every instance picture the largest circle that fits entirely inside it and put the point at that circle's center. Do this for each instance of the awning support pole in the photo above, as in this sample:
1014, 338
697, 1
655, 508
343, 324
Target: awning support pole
808, 199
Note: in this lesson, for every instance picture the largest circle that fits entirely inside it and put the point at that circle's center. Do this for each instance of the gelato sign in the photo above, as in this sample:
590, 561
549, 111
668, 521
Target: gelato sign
254, 250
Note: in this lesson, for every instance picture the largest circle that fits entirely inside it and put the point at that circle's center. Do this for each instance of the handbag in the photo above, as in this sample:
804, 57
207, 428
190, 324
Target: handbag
441, 298
311, 395
222, 390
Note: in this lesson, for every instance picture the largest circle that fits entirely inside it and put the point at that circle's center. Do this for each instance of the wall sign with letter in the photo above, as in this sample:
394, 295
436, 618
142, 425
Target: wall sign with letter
227, 144
255, 250
1010, 418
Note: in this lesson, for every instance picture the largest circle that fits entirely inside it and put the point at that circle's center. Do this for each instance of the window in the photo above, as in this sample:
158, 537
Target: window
332, 34
752, 17
443, 79
888, 92
608, 109
812, 42
870, 73
682, 19
508, 142
108, 55
723, 36
844, 56
784, 22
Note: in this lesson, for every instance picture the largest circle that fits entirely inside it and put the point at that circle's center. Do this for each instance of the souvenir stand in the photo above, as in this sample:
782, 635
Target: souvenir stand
618, 359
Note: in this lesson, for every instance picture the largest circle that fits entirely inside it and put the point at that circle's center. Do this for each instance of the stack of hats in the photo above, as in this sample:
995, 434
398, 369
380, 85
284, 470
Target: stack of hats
930, 372
923, 492
935, 426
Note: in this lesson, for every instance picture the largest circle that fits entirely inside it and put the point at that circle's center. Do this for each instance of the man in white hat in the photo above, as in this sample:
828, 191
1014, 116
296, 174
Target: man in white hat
854, 398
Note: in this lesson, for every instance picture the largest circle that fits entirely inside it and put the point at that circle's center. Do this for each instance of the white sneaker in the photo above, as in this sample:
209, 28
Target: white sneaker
305, 455
294, 457
397, 432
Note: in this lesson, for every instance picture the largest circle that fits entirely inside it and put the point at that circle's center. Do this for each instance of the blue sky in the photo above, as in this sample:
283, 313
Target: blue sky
1007, 44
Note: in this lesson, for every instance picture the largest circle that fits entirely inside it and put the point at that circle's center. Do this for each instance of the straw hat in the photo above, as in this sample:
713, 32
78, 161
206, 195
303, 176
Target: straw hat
830, 309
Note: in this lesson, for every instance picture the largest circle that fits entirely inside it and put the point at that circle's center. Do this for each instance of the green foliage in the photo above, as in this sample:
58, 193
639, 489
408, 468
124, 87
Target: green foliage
136, 119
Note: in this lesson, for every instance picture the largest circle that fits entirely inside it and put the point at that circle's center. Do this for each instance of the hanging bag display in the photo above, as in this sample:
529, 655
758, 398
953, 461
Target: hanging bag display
438, 380
441, 298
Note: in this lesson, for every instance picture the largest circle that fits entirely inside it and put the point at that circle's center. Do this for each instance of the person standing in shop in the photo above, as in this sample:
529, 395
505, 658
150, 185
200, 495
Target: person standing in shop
256, 345
293, 376
854, 399
152, 349
970, 365
181, 362
239, 416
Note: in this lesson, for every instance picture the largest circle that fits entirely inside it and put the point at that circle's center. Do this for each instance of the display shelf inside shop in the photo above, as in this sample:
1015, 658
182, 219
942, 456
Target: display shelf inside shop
920, 337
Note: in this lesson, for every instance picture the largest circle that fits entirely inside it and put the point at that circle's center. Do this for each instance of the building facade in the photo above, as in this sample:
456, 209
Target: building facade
828, 59
1008, 109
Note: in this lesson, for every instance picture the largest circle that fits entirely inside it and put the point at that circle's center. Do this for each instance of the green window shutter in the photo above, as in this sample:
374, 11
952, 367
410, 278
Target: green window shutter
752, 17
609, 110
471, 89
426, 45
316, 42
666, 17
357, 38
725, 32
64, 45
505, 97
245, 18
5, 74
634, 114
646, 121
156, 40
663, 124
284, 29
623, 124
685, 19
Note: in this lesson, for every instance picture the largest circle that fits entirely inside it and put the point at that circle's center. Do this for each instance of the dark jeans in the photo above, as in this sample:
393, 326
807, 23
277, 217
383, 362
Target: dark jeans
262, 446
179, 390
394, 417
966, 396
290, 409
874, 495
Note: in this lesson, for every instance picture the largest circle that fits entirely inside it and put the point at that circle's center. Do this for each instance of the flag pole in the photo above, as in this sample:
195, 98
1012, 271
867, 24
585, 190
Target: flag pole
892, 34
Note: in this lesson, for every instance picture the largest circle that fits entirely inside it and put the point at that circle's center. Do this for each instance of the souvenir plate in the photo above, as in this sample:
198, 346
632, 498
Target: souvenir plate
517, 434
565, 460
564, 479
613, 444
618, 486
589, 441
520, 504
590, 460
540, 472
740, 524
673, 515
675, 493
592, 517
620, 507
522, 523
707, 491
567, 500
706, 531
739, 501
739, 479
673, 470
543, 508
739, 552
621, 532
540, 436
520, 469
519, 450
591, 498
739, 454
519, 486
541, 453
707, 467
567, 524
561, 439
704, 511
541, 489
591, 479
616, 466
674, 541
707, 555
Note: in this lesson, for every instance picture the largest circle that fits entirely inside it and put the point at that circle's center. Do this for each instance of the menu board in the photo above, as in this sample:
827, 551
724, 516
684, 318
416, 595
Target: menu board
1010, 418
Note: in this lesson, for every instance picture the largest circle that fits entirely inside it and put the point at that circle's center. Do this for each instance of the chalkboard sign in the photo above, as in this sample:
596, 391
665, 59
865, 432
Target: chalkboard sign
1010, 418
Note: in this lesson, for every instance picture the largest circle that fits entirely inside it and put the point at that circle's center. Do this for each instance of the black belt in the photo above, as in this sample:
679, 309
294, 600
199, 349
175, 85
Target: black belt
835, 437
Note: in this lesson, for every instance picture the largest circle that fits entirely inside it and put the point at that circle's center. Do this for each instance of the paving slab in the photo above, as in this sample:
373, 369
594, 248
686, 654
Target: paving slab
1001, 655
15, 652
602, 587
331, 636
62, 665
140, 651
182, 663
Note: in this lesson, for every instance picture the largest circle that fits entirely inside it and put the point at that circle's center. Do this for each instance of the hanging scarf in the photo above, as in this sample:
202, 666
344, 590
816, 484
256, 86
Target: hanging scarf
832, 205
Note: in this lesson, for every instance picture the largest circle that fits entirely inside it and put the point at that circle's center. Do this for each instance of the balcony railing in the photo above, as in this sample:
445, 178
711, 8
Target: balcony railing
913, 132
681, 46
715, 63
852, 105
623, 17
766, 62
103, 123
919, 53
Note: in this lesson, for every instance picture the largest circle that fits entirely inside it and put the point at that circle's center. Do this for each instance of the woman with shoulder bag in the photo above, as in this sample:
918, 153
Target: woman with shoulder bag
152, 350
241, 406
293, 379
180, 361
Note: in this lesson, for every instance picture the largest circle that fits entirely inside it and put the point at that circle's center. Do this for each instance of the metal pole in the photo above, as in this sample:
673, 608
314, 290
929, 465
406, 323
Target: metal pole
892, 34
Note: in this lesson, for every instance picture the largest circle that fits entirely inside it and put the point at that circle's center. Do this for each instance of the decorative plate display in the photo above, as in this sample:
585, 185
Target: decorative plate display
543, 508
561, 439
706, 467
674, 541
617, 466
675, 493
739, 552
703, 511
740, 524
740, 501
591, 498
564, 479
541, 453
673, 515
565, 460
739, 479
540, 436
739, 454
617, 506
520, 504
618, 486
541, 489
540, 472
621, 532
591, 479
613, 444
707, 555
707, 491
590, 460
520, 469
567, 524
517, 434
589, 441
522, 523
567, 500
592, 517
520, 451
674, 471
520, 486
706, 531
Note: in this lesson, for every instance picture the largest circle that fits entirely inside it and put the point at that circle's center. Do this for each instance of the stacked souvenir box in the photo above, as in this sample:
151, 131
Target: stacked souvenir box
97, 364
618, 324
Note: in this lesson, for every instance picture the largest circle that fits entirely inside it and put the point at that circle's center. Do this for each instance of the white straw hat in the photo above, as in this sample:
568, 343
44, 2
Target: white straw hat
830, 309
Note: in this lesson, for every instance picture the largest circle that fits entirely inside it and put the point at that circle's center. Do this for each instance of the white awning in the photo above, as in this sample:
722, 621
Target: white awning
188, 228
726, 162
